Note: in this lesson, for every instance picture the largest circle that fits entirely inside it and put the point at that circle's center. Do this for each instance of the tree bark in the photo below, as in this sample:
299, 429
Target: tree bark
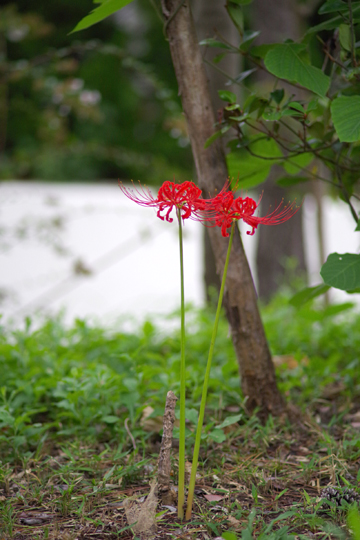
253, 354
210, 18
277, 20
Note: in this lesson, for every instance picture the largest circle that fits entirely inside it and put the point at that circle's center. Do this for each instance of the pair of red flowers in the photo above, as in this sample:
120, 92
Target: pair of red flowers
221, 210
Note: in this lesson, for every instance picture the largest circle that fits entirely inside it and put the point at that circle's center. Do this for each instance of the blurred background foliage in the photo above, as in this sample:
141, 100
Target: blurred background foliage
97, 104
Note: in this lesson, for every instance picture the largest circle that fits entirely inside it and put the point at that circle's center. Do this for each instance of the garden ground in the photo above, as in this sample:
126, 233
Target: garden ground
76, 442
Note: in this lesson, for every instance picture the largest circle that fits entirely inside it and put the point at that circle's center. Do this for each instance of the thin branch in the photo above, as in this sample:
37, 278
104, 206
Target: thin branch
234, 81
343, 188
130, 434
352, 35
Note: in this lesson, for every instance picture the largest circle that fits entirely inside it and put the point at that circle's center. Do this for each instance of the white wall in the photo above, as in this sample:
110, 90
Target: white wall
133, 256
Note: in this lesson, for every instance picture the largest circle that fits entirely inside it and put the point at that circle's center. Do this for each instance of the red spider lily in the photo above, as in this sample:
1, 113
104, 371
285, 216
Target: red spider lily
185, 196
279, 215
223, 209
221, 206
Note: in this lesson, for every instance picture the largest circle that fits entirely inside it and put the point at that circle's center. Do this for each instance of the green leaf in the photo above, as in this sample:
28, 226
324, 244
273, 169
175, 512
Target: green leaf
312, 105
261, 51
278, 95
286, 181
279, 495
192, 415
342, 271
236, 13
291, 112
308, 294
226, 95
286, 61
297, 106
216, 135
253, 170
345, 111
333, 5
247, 39
229, 536
230, 420
218, 57
233, 107
110, 419
358, 226
244, 74
334, 22
105, 9
296, 164
345, 36
217, 435
241, 2
211, 42
353, 520
272, 116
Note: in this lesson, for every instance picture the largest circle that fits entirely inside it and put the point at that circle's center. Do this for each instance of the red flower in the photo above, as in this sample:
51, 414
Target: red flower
185, 196
223, 209
279, 215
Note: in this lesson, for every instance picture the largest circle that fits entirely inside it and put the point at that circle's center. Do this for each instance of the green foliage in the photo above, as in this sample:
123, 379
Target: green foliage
71, 396
289, 61
83, 382
307, 294
295, 130
97, 105
354, 523
106, 8
323, 341
345, 112
252, 163
342, 271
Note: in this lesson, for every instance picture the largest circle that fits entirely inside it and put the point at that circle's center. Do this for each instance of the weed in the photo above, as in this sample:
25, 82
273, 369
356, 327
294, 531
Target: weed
73, 444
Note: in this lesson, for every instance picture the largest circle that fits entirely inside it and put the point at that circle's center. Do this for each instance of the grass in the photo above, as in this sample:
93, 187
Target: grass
74, 441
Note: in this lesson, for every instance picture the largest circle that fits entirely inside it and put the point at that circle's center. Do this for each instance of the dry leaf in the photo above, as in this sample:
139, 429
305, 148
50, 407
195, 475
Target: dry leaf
234, 523
151, 424
289, 361
210, 497
142, 515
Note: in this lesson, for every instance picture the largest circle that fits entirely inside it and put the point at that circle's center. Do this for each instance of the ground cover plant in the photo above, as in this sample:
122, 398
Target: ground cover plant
76, 442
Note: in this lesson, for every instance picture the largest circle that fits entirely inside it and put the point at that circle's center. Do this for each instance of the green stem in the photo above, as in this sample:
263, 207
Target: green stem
181, 480
206, 383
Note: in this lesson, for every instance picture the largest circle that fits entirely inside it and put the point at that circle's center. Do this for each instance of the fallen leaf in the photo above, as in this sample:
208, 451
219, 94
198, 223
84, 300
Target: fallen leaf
151, 424
141, 516
171, 508
289, 361
31, 521
234, 523
210, 497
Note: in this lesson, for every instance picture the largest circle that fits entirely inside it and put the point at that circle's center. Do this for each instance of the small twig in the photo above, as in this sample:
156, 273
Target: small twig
343, 188
172, 15
130, 434
164, 465
352, 35
330, 56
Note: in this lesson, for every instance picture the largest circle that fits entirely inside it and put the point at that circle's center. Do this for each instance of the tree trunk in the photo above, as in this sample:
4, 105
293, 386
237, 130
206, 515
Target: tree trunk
256, 368
210, 18
277, 20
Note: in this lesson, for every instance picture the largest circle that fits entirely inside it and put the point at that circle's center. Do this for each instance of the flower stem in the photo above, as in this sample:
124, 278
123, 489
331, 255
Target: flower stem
181, 480
206, 383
